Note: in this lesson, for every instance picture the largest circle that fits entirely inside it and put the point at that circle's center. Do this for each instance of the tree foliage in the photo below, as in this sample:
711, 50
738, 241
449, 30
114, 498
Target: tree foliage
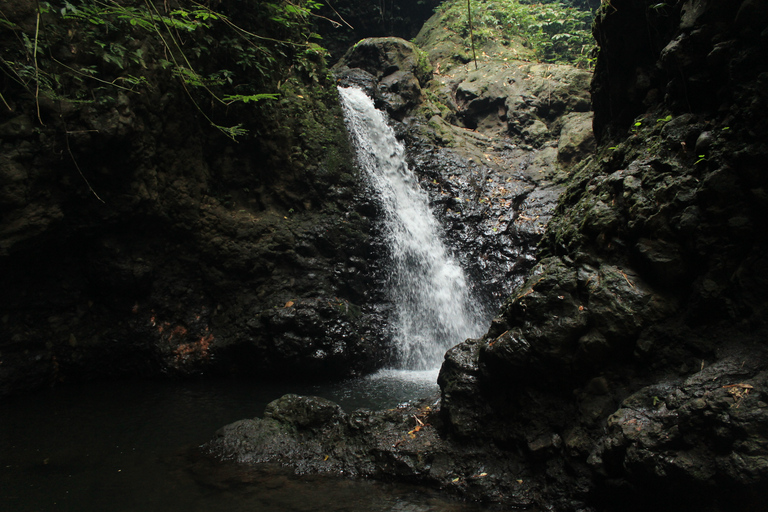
89, 50
556, 32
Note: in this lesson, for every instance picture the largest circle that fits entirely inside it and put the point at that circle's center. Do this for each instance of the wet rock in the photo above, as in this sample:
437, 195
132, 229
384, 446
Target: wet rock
568, 319
459, 380
665, 260
359, 78
693, 433
524, 348
254, 441
383, 56
314, 434
318, 338
403, 443
304, 412
703, 143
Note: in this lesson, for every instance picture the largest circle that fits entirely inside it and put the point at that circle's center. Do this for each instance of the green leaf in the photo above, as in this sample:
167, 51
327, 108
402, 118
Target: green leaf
249, 98
232, 131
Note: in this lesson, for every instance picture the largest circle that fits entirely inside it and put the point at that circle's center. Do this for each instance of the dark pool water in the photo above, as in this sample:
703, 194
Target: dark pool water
124, 446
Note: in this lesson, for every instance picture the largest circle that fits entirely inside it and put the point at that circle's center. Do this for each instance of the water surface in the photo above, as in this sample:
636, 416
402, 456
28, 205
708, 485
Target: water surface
123, 446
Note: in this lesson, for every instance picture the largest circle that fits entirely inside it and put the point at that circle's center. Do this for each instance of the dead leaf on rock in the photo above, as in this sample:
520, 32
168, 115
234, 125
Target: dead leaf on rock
739, 392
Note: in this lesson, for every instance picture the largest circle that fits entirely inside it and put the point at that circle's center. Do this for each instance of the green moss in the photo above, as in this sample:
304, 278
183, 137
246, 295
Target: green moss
440, 132
423, 67
310, 126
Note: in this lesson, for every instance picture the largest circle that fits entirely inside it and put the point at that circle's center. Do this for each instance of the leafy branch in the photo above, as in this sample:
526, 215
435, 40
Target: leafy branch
176, 40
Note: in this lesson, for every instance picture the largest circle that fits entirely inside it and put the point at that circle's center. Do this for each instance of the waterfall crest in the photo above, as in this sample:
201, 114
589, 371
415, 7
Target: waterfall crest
433, 305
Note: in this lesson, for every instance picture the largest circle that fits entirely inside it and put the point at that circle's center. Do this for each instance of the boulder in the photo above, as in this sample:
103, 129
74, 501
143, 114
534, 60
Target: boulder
318, 338
399, 67
576, 139
692, 438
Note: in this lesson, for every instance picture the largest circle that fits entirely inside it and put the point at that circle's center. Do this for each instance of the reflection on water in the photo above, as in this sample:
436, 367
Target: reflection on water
382, 390
121, 447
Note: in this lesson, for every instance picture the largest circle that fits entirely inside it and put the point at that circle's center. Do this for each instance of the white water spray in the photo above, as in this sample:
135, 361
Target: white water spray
434, 309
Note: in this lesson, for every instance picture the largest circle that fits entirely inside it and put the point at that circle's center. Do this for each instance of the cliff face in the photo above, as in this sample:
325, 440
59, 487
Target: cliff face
634, 355
138, 237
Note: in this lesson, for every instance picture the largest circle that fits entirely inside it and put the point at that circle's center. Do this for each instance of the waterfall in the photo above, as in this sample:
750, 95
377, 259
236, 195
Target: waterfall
433, 306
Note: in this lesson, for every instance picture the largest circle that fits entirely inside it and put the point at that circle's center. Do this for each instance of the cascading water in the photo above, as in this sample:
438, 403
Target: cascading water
433, 304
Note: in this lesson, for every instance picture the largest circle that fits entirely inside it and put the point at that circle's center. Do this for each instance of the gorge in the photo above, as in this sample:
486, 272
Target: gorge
611, 220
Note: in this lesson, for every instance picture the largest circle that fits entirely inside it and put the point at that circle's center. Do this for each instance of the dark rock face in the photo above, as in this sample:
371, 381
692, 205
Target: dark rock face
638, 282
324, 335
136, 239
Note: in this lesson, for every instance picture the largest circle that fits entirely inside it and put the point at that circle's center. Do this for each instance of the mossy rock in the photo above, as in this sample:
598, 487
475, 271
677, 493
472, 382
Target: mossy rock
448, 43
383, 56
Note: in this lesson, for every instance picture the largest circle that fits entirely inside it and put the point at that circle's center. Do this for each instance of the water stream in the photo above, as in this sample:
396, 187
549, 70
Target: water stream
433, 305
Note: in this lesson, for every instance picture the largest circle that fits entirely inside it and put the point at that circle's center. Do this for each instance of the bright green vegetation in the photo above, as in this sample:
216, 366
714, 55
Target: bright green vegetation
557, 33
89, 51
